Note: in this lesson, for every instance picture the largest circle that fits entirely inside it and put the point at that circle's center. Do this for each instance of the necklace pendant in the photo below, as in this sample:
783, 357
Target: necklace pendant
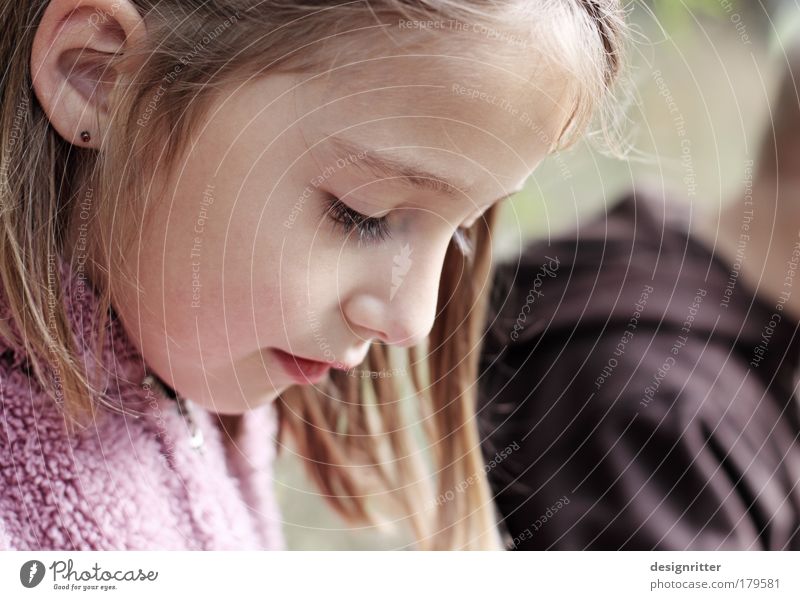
196, 441
196, 438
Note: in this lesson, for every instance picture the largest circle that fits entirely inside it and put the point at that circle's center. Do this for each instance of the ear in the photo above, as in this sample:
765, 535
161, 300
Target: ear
71, 47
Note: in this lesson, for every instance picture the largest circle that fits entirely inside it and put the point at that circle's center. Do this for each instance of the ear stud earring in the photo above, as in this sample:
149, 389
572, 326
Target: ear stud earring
85, 136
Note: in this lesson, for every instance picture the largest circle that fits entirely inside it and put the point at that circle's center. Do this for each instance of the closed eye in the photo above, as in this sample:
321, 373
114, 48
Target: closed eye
369, 229
376, 229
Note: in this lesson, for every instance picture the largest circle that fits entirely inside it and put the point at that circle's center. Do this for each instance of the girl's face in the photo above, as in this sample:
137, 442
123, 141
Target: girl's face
257, 271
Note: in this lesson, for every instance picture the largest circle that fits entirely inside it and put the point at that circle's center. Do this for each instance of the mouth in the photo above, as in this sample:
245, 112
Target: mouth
305, 370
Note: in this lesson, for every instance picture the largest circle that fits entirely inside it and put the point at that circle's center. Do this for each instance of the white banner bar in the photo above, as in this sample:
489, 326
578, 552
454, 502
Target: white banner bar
400, 575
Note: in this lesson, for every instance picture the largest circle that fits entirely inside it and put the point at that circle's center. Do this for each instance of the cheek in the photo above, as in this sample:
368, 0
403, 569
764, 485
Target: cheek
207, 277
298, 272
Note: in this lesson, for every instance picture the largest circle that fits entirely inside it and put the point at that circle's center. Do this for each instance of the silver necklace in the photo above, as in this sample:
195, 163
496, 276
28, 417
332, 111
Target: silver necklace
196, 440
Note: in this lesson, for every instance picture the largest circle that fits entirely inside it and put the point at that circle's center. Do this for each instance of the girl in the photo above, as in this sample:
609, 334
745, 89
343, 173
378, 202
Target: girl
217, 217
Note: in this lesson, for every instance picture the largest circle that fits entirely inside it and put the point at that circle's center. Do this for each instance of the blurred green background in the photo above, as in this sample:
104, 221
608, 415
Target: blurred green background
719, 60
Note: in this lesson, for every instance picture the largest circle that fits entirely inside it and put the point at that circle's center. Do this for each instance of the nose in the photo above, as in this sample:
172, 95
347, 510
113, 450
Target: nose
397, 304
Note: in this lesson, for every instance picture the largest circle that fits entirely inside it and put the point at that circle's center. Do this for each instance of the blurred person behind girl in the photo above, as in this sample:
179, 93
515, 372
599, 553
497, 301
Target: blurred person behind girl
650, 385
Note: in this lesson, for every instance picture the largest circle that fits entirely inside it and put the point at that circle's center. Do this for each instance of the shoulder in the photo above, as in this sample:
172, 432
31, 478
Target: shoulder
632, 297
81, 487
34, 454
597, 273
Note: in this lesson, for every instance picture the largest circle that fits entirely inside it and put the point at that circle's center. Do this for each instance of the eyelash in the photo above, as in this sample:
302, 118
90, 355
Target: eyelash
375, 229
369, 229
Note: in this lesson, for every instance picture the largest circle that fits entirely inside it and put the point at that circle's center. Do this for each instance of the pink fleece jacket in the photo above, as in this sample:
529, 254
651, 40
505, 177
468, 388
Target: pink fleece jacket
127, 482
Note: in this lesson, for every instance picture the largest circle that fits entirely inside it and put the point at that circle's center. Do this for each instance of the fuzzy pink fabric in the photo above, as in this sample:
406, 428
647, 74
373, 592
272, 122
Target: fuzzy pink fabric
127, 482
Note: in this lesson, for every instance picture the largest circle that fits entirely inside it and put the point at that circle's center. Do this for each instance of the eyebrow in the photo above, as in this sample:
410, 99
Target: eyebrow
392, 167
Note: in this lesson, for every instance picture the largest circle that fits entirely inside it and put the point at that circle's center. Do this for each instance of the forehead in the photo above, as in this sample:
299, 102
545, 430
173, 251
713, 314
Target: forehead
460, 109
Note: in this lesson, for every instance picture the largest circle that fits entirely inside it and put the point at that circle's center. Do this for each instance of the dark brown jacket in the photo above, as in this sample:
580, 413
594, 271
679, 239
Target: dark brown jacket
636, 395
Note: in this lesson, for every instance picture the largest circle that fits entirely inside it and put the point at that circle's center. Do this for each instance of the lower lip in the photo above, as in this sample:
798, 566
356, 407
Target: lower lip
302, 370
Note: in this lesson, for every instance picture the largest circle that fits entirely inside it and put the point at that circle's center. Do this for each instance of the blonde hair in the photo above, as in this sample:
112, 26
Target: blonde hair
359, 439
